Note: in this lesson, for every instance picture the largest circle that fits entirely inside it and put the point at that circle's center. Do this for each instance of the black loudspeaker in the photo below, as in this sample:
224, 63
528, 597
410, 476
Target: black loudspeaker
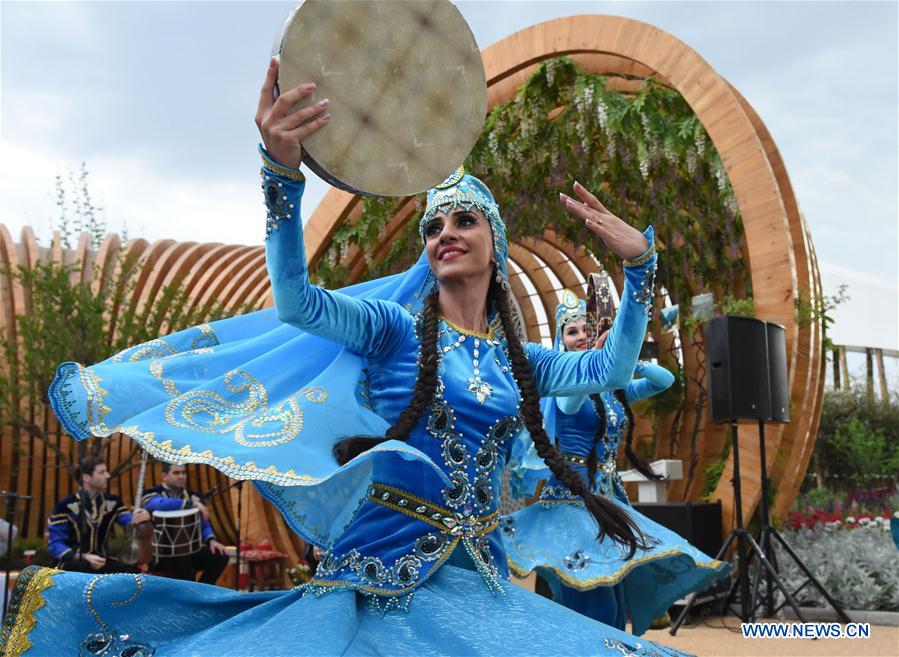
777, 373
737, 366
698, 522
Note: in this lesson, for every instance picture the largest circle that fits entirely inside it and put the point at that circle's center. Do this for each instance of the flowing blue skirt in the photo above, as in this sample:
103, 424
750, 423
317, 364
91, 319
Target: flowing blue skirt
453, 613
558, 540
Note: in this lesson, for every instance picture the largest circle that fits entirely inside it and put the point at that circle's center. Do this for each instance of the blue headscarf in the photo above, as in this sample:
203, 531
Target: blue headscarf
570, 309
462, 191
220, 394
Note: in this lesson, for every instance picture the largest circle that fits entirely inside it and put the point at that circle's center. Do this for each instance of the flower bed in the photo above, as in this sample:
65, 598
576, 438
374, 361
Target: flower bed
853, 557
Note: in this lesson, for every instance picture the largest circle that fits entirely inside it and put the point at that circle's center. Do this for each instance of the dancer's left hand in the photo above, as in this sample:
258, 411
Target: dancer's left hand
622, 238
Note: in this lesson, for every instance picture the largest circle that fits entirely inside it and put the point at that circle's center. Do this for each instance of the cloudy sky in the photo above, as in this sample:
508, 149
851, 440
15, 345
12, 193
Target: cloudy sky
158, 99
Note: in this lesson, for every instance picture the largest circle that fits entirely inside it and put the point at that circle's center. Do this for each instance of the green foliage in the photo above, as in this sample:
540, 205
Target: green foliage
817, 498
41, 556
667, 401
713, 472
820, 309
83, 321
87, 217
858, 442
732, 305
646, 155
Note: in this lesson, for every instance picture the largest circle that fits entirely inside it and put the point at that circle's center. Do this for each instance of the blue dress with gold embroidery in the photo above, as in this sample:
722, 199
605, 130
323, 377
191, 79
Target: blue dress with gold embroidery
413, 564
556, 536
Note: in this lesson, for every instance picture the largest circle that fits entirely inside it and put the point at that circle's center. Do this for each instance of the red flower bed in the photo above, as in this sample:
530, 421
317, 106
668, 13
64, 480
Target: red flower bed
812, 517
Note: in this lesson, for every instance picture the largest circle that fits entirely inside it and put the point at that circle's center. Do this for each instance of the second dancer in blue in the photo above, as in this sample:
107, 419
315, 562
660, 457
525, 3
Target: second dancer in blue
557, 537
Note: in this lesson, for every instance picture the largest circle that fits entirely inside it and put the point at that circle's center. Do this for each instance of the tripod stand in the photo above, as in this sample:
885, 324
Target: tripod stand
766, 558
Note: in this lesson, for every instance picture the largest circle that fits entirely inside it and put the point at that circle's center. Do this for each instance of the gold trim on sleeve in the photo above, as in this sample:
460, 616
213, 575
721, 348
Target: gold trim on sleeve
643, 259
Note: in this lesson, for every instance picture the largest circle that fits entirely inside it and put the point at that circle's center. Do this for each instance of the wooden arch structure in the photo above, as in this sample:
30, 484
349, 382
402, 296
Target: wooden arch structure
777, 245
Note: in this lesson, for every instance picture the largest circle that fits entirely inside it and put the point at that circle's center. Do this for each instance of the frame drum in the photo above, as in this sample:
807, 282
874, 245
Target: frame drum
600, 307
176, 533
407, 88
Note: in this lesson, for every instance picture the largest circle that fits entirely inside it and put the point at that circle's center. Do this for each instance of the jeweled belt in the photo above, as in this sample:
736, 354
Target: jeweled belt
469, 530
577, 459
451, 522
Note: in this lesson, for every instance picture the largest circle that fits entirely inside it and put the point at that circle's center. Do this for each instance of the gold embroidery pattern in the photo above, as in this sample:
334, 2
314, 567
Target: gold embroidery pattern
108, 639
156, 367
20, 618
209, 412
96, 409
182, 411
89, 596
608, 580
159, 348
154, 348
207, 337
163, 448
642, 259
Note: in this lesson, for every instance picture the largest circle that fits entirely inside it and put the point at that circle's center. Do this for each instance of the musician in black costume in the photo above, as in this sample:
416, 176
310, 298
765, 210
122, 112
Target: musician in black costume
81, 523
171, 495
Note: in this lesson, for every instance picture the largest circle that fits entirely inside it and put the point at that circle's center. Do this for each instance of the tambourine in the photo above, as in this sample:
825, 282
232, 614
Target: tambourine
600, 307
407, 88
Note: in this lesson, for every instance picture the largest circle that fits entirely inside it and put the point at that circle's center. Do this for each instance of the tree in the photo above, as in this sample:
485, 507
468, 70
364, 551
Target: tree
68, 320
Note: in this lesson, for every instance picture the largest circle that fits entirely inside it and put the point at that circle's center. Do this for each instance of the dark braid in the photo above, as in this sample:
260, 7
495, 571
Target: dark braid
613, 521
425, 385
592, 459
642, 466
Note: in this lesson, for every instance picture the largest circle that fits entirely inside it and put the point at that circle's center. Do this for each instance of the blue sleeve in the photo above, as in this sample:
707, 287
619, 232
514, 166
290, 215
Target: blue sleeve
526, 468
159, 503
368, 327
206, 530
571, 404
60, 531
655, 379
564, 373
123, 516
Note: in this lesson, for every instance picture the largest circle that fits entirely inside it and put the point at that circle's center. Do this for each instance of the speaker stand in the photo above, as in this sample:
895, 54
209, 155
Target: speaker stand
767, 548
765, 559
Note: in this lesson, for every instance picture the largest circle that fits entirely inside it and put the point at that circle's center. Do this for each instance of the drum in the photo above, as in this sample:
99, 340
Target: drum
176, 533
407, 88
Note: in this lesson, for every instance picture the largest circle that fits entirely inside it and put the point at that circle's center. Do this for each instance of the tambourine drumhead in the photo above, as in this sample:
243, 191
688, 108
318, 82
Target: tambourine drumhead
407, 89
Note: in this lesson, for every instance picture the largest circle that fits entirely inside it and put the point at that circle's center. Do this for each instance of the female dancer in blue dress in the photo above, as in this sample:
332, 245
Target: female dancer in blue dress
556, 536
291, 399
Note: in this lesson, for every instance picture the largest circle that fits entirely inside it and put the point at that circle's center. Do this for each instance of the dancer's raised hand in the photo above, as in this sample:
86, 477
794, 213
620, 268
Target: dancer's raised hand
622, 238
283, 131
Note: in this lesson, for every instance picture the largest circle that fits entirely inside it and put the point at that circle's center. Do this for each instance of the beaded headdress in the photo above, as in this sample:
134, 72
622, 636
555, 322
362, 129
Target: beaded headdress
464, 191
571, 309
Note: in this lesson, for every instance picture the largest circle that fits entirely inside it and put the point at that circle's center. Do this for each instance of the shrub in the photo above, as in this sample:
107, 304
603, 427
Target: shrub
858, 565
